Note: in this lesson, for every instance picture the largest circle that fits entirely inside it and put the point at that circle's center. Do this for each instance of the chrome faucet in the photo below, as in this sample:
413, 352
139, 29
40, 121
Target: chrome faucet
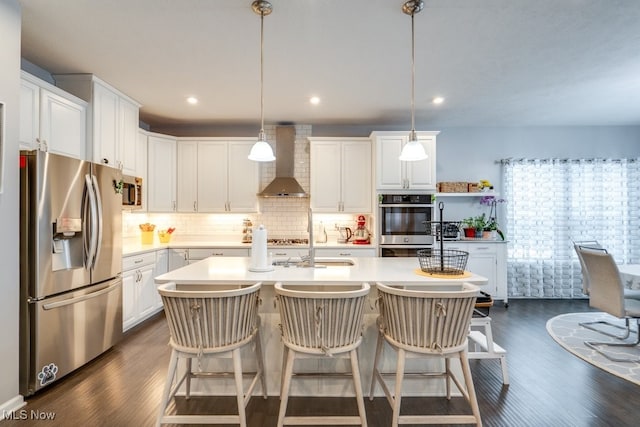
312, 249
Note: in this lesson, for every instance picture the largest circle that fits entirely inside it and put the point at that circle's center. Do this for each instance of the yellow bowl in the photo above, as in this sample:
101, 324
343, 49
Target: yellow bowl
164, 237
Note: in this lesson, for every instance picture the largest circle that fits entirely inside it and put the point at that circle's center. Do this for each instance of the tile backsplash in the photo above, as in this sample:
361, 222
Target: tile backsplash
282, 217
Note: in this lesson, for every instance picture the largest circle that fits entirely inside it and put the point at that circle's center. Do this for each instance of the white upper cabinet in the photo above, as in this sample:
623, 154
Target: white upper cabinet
51, 119
161, 173
340, 170
243, 177
141, 164
113, 120
187, 176
215, 175
393, 174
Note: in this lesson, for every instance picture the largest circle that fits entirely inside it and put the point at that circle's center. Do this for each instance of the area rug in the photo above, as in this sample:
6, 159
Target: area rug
565, 329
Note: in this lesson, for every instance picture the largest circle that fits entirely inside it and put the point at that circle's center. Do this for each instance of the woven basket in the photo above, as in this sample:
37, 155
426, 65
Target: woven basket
447, 261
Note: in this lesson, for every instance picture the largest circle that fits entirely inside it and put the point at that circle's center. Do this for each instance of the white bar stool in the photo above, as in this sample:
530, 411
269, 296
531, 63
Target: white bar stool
320, 324
211, 324
427, 324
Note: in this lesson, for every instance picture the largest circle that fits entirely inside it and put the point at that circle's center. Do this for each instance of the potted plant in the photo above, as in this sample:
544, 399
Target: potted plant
490, 229
468, 227
479, 224
492, 222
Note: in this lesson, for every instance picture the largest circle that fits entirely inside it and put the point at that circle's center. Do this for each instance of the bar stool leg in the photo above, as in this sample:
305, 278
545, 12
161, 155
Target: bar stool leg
286, 384
397, 398
188, 380
171, 373
357, 384
237, 373
468, 380
261, 364
376, 359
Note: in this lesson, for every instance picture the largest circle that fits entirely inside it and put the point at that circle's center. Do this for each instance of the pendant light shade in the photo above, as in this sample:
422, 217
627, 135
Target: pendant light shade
261, 150
413, 150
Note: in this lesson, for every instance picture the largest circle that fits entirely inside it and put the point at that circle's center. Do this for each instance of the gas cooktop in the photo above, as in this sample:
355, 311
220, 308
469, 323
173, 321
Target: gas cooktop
287, 242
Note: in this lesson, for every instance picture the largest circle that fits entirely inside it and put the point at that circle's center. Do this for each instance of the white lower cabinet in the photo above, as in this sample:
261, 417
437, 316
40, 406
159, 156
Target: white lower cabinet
488, 260
349, 252
139, 294
177, 258
198, 254
161, 267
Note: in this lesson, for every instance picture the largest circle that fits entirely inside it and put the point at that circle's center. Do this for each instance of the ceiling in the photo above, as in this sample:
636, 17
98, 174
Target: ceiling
496, 62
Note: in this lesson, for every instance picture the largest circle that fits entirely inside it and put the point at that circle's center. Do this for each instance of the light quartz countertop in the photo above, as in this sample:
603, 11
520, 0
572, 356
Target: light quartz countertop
214, 270
132, 246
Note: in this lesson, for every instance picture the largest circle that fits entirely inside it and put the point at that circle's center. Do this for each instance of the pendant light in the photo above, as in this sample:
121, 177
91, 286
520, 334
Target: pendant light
413, 149
261, 150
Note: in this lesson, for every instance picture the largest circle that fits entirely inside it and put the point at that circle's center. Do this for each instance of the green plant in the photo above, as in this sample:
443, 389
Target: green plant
491, 225
468, 222
480, 222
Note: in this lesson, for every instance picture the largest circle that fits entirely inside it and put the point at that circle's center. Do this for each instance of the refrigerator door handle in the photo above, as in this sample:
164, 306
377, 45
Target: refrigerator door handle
76, 300
91, 247
98, 232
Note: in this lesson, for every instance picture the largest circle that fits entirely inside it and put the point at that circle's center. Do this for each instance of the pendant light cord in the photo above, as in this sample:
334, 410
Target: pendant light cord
262, 136
413, 80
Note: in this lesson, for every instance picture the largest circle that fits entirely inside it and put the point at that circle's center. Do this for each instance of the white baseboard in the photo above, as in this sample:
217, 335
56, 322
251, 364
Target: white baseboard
11, 405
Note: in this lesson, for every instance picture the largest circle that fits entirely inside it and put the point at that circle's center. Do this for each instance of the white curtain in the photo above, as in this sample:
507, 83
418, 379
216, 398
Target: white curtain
553, 202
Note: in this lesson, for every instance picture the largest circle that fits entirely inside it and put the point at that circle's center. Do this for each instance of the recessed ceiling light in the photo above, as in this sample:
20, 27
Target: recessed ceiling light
314, 100
192, 100
438, 100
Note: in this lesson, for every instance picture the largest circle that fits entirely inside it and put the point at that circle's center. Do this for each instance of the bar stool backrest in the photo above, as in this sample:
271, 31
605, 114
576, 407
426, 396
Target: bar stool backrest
425, 321
219, 318
321, 321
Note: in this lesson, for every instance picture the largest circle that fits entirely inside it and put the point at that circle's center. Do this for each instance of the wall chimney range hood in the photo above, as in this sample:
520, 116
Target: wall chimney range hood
284, 184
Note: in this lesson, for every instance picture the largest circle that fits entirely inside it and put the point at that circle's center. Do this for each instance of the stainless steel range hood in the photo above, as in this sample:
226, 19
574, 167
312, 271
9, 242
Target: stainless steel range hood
284, 184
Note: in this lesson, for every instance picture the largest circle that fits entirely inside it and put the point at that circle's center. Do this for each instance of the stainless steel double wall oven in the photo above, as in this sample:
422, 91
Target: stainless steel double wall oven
404, 224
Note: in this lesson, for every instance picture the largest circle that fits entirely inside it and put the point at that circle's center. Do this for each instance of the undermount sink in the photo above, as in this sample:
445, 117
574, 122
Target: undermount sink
335, 262
319, 262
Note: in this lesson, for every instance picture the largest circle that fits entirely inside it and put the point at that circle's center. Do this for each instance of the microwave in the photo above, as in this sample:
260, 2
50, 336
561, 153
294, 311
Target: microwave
131, 192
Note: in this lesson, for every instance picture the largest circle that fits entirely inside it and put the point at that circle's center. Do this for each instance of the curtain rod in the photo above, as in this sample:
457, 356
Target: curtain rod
549, 160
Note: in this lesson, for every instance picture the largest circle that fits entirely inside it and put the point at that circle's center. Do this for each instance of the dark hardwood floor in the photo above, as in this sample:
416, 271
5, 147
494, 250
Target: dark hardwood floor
549, 386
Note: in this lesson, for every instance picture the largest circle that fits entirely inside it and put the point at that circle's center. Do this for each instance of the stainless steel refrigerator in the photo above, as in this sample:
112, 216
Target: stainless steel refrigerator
70, 265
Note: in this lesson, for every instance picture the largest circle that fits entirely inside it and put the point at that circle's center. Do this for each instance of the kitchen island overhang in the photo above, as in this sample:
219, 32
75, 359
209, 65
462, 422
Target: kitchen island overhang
218, 271
214, 270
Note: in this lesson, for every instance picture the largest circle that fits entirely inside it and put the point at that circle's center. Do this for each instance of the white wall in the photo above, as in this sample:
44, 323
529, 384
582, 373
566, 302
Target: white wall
9, 284
470, 154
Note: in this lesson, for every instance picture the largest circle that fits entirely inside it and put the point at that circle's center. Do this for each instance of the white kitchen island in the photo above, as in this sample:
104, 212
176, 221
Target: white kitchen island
234, 270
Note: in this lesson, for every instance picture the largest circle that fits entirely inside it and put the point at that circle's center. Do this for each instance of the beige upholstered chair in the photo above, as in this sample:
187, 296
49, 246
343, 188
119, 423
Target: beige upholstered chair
607, 294
211, 322
596, 246
323, 323
429, 324
591, 244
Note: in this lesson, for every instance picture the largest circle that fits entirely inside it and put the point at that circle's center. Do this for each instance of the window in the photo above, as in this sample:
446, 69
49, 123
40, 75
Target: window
553, 202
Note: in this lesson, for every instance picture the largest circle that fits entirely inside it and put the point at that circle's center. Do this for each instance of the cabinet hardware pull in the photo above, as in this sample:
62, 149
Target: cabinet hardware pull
138, 261
195, 209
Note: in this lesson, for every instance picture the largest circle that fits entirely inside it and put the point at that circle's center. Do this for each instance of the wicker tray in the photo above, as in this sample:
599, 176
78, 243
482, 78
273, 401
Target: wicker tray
447, 262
